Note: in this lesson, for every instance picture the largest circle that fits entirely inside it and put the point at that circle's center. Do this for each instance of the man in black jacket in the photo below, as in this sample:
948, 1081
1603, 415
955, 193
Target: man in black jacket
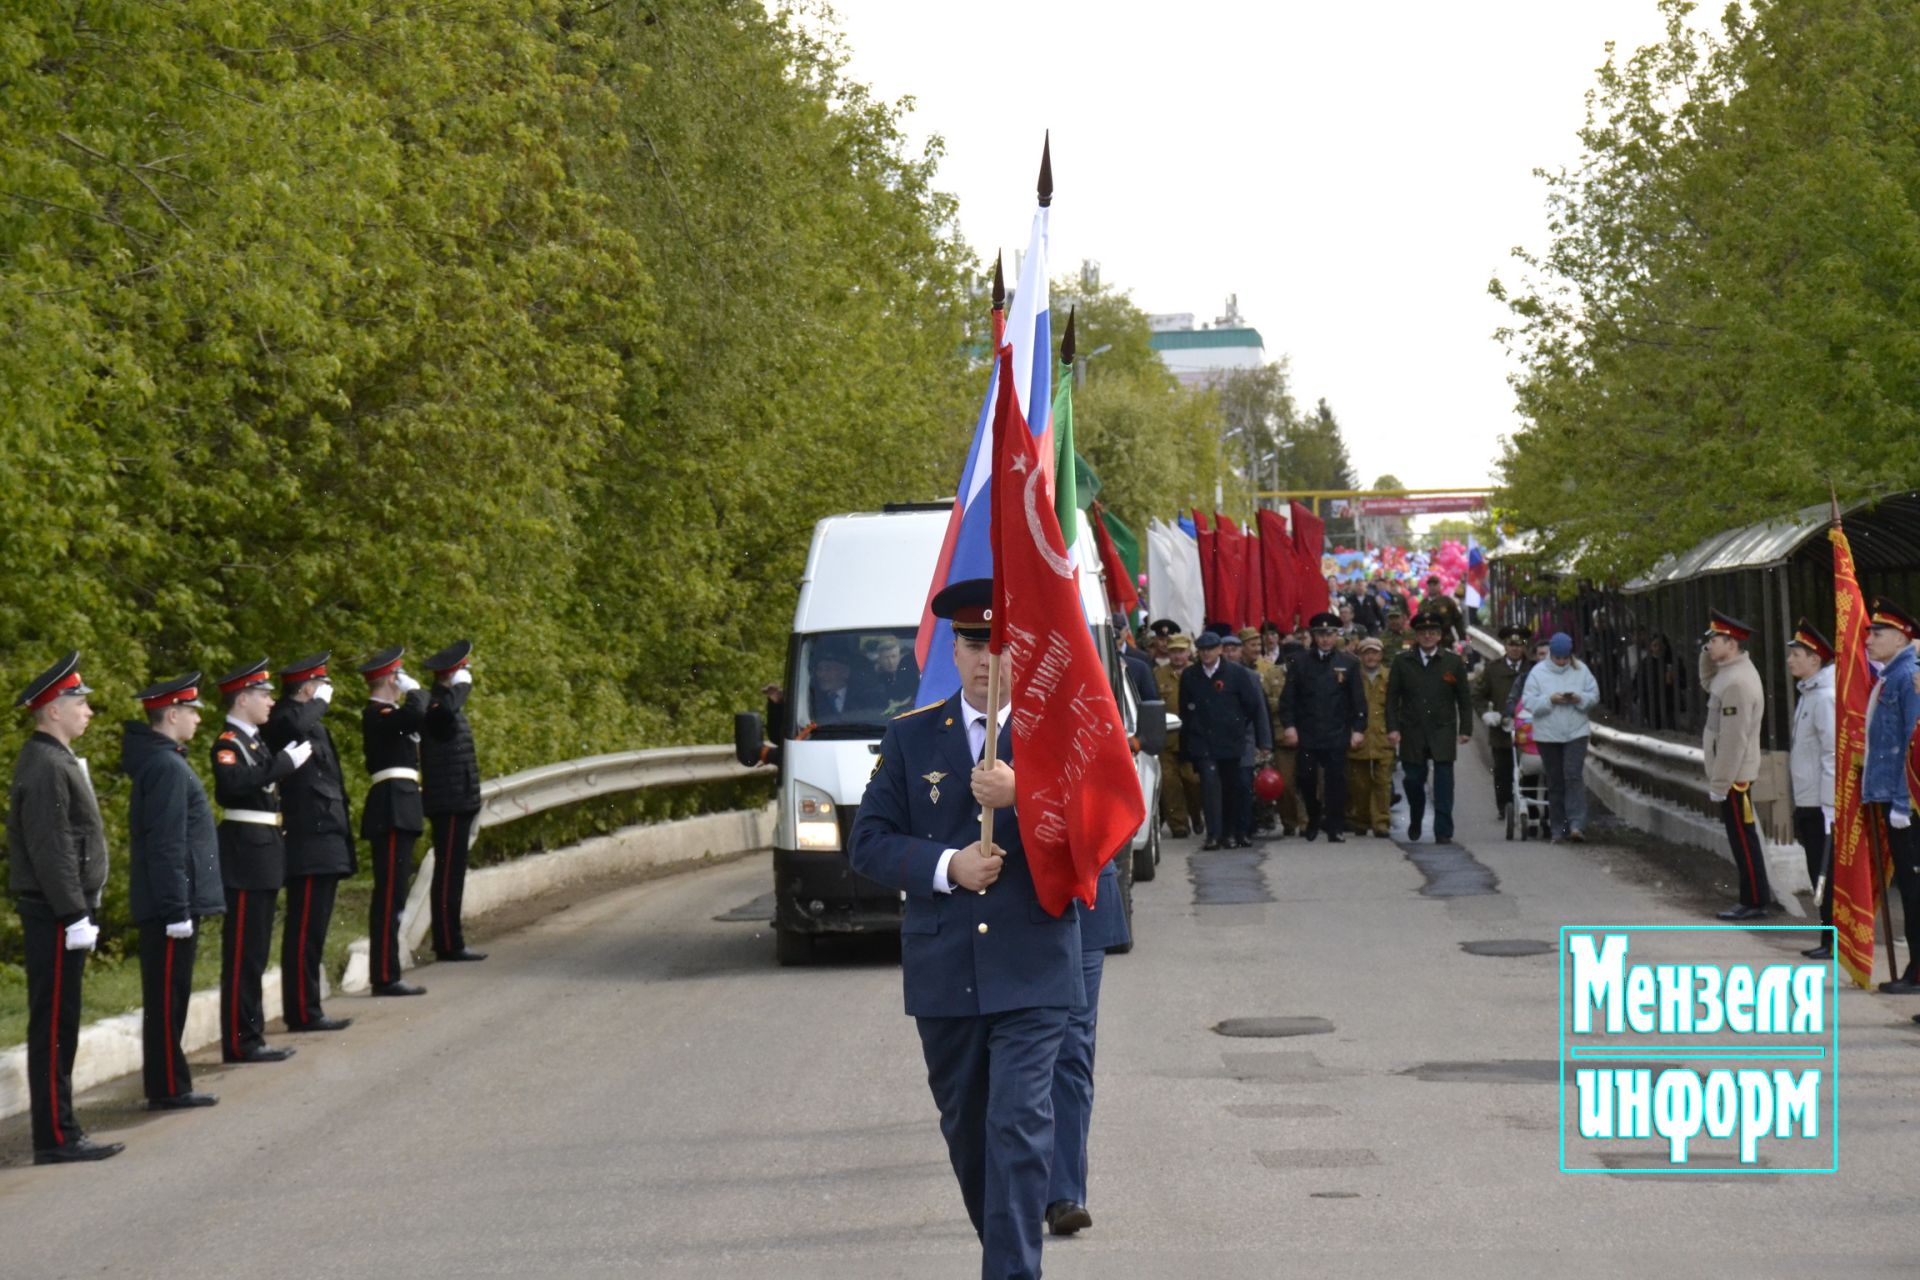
319, 838
450, 793
391, 820
253, 858
173, 879
1324, 711
57, 866
1220, 703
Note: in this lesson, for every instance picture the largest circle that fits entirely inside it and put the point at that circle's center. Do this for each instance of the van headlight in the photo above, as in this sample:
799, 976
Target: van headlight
816, 825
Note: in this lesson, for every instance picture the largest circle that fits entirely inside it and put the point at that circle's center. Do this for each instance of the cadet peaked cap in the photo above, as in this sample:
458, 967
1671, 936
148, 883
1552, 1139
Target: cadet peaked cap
451, 658
311, 667
243, 677
1165, 627
1519, 635
1719, 624
181, 691
1179, 644
383, 663
968, 604
1812, 641
1429, 622
1324, 622
1207, 640
61, 680
1885, 613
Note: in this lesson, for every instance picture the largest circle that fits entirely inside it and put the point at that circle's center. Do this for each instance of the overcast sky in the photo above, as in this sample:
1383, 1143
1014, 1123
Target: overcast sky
1354, 172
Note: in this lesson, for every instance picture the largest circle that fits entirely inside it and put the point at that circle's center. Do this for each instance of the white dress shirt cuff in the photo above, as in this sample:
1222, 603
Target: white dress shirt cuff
940, 882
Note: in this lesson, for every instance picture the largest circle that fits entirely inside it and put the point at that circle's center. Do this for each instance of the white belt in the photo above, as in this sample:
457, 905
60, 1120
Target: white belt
388, 775
259, 816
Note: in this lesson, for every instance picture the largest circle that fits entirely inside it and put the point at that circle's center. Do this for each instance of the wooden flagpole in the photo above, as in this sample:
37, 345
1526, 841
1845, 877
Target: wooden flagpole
1877, 840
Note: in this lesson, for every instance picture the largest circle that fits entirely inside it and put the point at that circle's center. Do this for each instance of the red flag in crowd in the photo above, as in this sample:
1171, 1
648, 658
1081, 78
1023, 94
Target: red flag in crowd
1276, 562
1309, 543
1078, 796
1209, 581
1855, 887
1121, 596
1230, 567
1256, 583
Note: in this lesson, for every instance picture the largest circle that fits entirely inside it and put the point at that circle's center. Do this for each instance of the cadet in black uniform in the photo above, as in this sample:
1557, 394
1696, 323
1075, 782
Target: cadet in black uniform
391, 820
1324, 710
57, 860
319, 838
253, 861
173, 880
450, 793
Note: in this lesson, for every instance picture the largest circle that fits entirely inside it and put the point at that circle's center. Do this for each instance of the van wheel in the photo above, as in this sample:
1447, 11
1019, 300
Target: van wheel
1146, 861
792, 949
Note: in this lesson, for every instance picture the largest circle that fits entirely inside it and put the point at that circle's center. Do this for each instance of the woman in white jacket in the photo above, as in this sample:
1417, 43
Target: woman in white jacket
1558, 694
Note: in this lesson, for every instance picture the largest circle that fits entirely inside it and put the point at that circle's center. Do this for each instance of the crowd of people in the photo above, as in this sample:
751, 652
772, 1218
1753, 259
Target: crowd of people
284, 823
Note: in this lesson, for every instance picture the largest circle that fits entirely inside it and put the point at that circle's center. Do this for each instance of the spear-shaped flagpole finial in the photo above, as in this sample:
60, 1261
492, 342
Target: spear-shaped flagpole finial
999, 284
1066, 343
1046, 170
1834, 496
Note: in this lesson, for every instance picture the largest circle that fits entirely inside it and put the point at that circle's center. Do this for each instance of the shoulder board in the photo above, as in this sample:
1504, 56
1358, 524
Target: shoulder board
227, 736
917, 710
386, 711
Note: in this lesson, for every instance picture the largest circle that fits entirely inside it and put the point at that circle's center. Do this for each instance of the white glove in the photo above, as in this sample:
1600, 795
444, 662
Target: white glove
462, 676
1826, 812
406, 682
1716, 797
298, 752
1491, 719
180, 929
82, 934
323, 692
1898, 820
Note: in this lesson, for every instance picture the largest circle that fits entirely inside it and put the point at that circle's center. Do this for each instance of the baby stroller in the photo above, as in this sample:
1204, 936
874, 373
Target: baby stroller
1528, 812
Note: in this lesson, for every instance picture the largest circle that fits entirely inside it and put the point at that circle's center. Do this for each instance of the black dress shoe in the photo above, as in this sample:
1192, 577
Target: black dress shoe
399, 989
1334, 837
1818, 953
464, 953
1743, 913
322, 1023
1413, 831
1064, 1217
260, 1053
1904, 987
182, 1102
1311, 833
78, 1150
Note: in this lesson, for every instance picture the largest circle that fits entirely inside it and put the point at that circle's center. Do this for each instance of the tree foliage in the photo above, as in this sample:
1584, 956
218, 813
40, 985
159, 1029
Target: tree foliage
1724, 322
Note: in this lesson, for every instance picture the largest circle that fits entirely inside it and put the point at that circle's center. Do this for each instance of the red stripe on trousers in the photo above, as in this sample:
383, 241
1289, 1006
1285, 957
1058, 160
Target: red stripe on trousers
386, 921
1740, 826
239, 941
53, 1036
300, 951
166, 1007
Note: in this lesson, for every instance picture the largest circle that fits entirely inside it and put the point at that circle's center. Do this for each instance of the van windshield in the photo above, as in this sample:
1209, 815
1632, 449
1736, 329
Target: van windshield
850, 683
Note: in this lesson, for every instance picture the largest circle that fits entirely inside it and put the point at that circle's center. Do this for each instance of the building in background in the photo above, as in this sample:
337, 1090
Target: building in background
1198, 357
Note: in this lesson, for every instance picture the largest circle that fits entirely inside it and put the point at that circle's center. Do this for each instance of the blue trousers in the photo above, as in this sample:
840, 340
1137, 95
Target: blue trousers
992, 1078
1416, 776
1221, 791
1073, 1090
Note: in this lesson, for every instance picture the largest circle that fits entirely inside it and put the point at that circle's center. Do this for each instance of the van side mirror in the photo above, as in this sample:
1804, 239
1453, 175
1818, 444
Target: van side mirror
1151, 728
750, 745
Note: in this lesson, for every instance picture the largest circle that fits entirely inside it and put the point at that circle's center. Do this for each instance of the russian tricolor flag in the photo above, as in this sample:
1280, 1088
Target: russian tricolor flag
967, 551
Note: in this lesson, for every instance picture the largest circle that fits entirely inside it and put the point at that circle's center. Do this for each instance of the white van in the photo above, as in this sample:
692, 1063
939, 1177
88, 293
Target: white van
850, 669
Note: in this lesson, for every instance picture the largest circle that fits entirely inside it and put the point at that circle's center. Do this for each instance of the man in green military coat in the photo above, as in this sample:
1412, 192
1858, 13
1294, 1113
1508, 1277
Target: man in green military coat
1493, 684
1429, 717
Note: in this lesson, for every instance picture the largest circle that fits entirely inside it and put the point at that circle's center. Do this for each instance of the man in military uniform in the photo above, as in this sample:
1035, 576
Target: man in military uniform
1292, 814
1883, 788
1324, 711
1493, 688
1370, 765
318, 834
1736, 701
1219, 704
56, 868
1429, 718
989, 976
450, 793
253, 860
1439, 605
1180, 795
391, 819
1396, 638
1102, 926
173, 880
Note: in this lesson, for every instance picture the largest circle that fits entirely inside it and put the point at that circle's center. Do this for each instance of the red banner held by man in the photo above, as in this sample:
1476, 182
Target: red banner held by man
1276, 565
1256, 583
1309, 544
1856, 888
1078, 797
1230, 567
1209, 574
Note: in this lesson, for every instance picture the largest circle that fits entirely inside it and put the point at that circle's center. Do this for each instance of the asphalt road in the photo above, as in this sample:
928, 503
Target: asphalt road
631, 1088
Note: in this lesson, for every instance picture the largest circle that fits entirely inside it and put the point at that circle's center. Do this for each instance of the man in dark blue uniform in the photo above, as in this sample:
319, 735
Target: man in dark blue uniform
990, 978
1220, 703
391, 819
319, 835
1324, 711
1102, 926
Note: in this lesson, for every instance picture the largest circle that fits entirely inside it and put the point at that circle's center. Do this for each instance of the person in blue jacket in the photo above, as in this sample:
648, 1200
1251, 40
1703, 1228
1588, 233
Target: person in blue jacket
1890, 721
989, 975
1102, 926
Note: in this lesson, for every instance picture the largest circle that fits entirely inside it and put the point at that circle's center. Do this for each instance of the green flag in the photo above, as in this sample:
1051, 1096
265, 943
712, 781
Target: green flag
1125, 541
1066, 489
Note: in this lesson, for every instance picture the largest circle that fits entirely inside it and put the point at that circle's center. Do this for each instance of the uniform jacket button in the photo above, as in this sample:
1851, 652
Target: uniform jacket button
983, 928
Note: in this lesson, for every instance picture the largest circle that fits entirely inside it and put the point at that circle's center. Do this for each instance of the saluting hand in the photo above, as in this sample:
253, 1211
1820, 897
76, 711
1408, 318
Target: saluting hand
973, 870
993, 785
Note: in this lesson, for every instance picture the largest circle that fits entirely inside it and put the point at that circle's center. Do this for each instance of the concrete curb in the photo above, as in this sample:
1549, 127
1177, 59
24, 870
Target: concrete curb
110, 1047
